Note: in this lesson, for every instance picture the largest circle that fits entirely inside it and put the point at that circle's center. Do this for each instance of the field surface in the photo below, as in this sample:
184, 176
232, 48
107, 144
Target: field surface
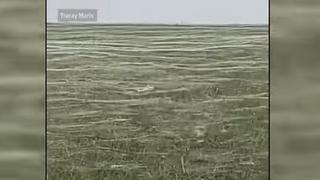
22, 92
157, 102
295, 90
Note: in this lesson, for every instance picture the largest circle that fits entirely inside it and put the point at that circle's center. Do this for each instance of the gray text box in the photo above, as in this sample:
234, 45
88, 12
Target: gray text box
77, 15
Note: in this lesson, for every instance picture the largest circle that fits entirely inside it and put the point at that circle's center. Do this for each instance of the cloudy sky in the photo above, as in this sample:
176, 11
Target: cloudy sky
169, 11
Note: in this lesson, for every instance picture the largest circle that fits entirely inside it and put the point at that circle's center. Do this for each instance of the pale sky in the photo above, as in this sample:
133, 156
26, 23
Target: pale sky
169, 11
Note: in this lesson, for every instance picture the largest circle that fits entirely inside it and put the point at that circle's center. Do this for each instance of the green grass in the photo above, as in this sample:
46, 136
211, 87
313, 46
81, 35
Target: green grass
294, 90
22, 90
206, 117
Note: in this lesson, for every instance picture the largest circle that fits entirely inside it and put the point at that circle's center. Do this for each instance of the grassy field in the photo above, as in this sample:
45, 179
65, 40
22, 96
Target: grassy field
22, 90
295, 90
157, 102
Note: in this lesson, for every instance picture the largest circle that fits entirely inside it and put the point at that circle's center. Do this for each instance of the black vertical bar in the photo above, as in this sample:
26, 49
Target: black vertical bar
269, 101
45, 48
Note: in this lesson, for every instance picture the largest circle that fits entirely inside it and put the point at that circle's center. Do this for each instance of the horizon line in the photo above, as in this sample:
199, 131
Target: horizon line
158, 24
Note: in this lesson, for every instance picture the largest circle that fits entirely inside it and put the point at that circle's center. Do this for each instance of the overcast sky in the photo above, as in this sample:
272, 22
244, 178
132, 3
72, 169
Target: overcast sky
169, 11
